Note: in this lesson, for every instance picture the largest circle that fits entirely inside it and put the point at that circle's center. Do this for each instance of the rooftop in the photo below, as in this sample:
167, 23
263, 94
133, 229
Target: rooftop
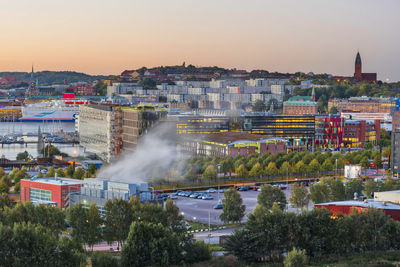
370, 204
231, 137
55, 181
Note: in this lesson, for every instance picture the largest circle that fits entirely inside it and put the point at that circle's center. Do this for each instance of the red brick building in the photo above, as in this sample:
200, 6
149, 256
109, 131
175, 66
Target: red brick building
50, 191
359, 75
359, 132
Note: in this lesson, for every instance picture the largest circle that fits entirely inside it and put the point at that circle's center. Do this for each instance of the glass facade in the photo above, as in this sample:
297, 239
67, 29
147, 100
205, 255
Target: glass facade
39, 194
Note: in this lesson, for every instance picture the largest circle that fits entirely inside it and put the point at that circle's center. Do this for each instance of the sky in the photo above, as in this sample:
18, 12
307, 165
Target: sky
109, 36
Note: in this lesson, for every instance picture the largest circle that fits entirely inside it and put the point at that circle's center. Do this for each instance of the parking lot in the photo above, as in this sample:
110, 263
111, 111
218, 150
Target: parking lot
202, 211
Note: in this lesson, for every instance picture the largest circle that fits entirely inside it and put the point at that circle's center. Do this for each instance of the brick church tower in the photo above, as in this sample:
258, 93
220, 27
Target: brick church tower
358, 68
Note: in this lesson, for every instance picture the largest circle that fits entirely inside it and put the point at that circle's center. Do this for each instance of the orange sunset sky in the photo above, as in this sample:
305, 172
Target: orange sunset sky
106, 37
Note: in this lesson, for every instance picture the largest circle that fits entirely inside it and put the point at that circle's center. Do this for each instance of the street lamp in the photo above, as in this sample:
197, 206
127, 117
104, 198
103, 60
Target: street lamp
336, 167
219, 170
74, 152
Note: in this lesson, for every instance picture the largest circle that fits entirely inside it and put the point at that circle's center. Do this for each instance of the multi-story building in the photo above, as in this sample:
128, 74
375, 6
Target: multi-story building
363, 104
395, 152
329, 131
135, 122
358, 132
49, 191
97, 130
300, 105
231, 144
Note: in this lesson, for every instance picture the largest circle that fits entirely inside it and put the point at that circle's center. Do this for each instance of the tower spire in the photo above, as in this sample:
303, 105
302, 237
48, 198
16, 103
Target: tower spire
32, 72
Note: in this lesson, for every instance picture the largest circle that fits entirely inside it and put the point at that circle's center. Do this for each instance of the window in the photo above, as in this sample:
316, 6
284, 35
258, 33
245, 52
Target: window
39, 194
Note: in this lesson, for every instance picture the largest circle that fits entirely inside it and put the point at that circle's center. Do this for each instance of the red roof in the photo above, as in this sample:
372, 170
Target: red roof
68, 96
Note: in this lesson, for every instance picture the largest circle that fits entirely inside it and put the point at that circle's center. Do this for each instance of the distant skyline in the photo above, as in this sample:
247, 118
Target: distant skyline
107, 37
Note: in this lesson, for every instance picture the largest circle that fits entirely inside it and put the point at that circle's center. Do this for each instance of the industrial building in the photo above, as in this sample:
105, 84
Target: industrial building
349, 206
99, 190
50, 191
231, 144
358, 132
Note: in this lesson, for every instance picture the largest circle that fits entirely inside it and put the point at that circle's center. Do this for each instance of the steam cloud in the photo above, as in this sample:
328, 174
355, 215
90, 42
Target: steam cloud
154, 157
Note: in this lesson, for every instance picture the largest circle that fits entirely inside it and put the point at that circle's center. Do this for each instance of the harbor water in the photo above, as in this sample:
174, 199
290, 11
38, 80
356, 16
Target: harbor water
10, 151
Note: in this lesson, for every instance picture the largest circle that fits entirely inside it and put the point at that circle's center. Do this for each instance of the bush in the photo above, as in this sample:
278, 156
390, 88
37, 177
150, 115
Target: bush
295, 258
197, 251
101, 259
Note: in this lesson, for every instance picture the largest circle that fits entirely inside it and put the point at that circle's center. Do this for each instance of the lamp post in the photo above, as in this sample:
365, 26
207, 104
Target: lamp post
219, 170
336, 167
74, 152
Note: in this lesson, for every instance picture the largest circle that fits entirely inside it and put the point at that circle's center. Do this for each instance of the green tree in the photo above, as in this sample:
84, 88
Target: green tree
78, 174
296, 258
370, 187
285, 169
100, 88
327, 166
233, 208
353, 186
336, 188
148, 83
210, 173
368, 146
118, 218
92, 169
271, 169
150, 244
270, 195
93, 221
51, 151
390, 184
378, 161
314, 166
102, 259
365, 163
319, 193
299, 196
242, 172
60, 172
23, 156
227, 165
333, 110
300, 167
77, 216
257, 170
51, 172
40, 174
69, 171
259, 106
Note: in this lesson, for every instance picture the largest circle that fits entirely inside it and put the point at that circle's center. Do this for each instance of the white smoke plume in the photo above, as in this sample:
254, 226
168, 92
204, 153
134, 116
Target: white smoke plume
154, 157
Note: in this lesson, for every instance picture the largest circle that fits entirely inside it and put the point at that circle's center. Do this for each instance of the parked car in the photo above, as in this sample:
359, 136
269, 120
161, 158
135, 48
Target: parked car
207, 197
282, 187
255, 188
173, 196
194, 195
211, 190
218, 206
223, 190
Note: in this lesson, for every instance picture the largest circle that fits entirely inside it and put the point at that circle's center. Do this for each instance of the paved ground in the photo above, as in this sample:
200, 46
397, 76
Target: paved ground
199, 210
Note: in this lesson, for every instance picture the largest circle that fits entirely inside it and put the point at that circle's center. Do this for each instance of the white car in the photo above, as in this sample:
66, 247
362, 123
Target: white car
211, 190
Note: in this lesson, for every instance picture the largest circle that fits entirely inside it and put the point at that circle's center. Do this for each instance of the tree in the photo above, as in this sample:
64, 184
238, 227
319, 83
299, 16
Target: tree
370, 187
333, 110
78, 173
40, 174
69, 171
270, 195
51, 151
271, 170
118, 218
365, 163
227, 165
210, 173
336, 188
233, 208
319, 193
299, 196
242, 172
92, 169
51, 172
93, 221
368, 146
296, 258
259, 106
147, 83
314, 166
60, 172
285, 169
257, 170
76, 216
100, 88
378, 161
353, 186
23, 156
327, 165
300, 167
6, 201
150, 244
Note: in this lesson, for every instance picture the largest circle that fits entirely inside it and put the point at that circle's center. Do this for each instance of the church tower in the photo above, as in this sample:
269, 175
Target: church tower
358, 68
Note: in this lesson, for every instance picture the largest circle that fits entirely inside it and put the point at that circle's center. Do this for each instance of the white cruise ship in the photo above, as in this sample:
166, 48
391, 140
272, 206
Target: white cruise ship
57, 110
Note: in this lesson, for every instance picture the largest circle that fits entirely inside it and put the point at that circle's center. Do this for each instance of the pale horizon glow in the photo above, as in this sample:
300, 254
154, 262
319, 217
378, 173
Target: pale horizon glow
107, 37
